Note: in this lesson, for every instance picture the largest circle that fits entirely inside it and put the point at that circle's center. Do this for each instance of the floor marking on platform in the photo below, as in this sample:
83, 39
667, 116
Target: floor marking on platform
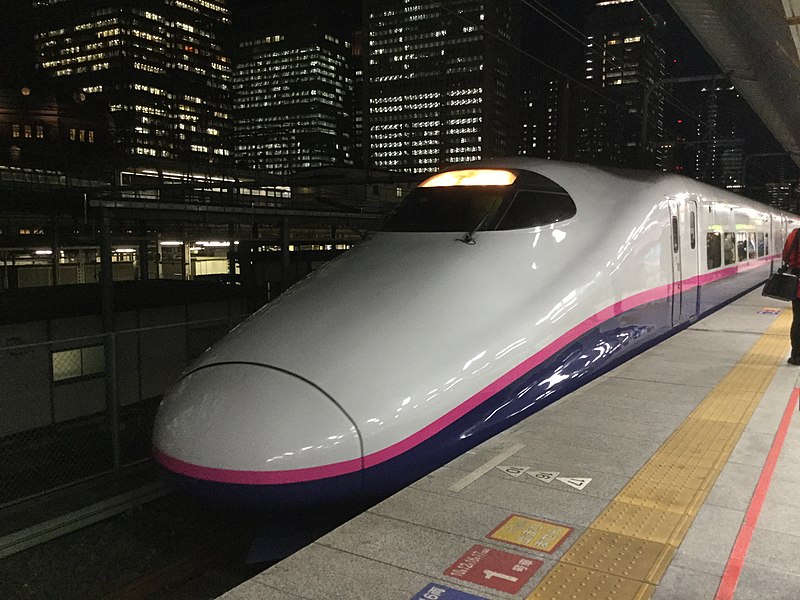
730, 577
485, 468
544, 476
626, 550
496, 569
436, 591
577, 482
513, 471
531, 533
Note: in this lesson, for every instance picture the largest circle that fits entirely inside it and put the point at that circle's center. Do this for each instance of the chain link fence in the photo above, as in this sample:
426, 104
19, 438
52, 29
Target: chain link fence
76, 408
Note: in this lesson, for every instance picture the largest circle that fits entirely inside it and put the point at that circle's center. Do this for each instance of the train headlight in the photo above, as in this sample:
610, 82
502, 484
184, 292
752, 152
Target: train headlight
471, 177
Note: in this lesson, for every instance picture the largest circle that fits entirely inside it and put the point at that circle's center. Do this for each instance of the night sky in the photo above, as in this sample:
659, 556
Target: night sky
541, 38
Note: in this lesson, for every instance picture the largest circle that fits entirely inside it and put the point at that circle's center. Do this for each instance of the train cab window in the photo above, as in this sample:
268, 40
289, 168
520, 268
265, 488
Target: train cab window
762, 245
713, 249
729, 248
446, 209
692, 229
533, 200
534, 207
751, 245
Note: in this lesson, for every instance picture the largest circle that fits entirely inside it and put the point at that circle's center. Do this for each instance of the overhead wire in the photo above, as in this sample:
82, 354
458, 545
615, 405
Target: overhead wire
592, 89
584, 40
669, 98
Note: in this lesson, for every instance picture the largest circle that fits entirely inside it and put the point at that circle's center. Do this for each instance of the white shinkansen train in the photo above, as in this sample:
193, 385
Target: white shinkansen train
493, 290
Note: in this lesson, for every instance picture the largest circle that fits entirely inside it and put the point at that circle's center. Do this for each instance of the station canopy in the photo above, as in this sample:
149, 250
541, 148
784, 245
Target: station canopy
756, 43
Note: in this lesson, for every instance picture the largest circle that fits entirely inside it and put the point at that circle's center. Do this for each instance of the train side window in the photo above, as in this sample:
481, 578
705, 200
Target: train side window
762, 247
535, 207
729, 248
675, 234
713, 249
741, 246
692, 230
766, 244
751, 245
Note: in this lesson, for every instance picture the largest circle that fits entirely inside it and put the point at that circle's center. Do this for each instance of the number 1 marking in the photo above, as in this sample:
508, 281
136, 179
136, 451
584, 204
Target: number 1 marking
489, 574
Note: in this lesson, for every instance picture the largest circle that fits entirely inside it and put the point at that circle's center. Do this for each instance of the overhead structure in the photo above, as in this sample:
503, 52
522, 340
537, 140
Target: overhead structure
756, 43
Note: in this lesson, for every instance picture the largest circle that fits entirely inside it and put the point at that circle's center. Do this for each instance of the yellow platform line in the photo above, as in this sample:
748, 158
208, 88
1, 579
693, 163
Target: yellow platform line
626, 550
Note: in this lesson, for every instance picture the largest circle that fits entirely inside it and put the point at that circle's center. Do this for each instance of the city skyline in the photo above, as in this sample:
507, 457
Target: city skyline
551, 46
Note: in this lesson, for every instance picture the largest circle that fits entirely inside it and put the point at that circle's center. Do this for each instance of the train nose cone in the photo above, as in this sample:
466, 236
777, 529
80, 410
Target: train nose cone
253, 424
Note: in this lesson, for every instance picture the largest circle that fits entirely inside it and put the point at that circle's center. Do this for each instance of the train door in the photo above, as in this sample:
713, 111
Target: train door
685, 260
775, 226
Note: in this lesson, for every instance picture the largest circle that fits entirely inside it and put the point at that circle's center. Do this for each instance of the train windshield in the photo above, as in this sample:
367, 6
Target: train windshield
532, 201
446, 208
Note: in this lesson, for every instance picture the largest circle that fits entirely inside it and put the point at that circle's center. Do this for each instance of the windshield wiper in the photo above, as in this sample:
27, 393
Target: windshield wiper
468, 237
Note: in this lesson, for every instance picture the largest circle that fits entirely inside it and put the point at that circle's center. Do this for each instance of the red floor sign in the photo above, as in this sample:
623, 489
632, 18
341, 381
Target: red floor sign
496, 569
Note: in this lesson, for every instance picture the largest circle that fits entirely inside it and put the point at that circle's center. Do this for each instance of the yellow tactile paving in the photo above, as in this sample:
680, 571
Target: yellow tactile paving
625, 551
631, 557
661, 496
570, 582
638, 521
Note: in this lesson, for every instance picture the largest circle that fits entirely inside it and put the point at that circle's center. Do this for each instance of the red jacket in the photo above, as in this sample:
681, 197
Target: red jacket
791, 254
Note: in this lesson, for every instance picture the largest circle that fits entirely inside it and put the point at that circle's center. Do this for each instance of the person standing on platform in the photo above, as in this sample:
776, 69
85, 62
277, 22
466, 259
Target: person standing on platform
791, 256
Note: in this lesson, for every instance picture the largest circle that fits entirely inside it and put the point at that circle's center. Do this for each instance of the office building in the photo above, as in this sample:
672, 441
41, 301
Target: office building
542, 118
69, 132
158, 64
293, 101
624, 58
442, 81
720, 151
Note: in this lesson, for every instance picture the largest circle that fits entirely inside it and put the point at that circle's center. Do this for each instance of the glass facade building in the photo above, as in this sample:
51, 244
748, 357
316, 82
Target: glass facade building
442, 81
624, 57
293, 102
158, 64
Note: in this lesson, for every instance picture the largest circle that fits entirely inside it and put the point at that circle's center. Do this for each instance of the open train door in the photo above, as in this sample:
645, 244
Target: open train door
685, 259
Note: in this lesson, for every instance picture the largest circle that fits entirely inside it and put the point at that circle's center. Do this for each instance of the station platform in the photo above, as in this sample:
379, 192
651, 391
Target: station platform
675, 476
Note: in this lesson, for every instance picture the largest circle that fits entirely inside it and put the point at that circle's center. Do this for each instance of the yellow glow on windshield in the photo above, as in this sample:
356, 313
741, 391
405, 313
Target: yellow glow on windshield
470, 177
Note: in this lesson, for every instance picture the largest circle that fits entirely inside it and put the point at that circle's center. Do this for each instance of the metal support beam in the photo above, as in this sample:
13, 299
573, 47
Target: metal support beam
285, 262
231, 254
144, 254
109, 345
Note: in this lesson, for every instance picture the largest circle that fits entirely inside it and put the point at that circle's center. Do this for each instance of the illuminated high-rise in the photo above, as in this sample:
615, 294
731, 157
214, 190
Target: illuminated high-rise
441, 81
624, 57
720, 150
158, 64
541, 118
293, 101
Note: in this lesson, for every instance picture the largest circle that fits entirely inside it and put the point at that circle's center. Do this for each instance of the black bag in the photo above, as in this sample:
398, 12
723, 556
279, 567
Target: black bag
781, 286
783, 283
